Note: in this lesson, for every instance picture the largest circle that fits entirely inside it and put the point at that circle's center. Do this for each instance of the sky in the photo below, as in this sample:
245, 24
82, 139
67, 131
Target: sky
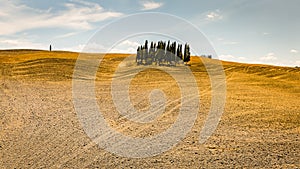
248, 31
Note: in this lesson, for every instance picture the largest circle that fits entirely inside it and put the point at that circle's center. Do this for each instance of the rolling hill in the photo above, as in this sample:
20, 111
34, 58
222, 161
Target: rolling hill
260, 126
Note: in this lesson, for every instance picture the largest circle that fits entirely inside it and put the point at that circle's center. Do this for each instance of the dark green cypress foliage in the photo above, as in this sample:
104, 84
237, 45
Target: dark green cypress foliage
188, 53
145, 52
138, 57
184, 54
173, 52
168, 53
142, 53
151, 53
179, 52
162, 52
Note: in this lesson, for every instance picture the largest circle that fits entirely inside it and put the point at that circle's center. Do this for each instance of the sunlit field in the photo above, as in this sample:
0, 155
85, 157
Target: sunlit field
39, 127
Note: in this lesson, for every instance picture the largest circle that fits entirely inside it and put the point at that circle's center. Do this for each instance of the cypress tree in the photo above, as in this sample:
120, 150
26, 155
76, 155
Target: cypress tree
137, 55
142, 53
186, 53
145, 52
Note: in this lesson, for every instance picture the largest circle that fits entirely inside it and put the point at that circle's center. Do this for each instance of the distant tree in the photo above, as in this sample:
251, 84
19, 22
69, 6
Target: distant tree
141, 54
173, 53
146, 52
138, 55
160, 52
146, 44
179, 52
181, 55
151, 54
186, 53
154, 52
168, 53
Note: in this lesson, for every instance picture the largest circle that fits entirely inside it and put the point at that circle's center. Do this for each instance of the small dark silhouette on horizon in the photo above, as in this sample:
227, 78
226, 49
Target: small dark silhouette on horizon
50, 48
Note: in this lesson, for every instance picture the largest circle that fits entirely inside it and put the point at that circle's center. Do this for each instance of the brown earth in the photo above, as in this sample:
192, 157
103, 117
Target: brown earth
39, 127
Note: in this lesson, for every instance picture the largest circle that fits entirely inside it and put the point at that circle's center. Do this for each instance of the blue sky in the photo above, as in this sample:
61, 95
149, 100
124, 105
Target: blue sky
250, 31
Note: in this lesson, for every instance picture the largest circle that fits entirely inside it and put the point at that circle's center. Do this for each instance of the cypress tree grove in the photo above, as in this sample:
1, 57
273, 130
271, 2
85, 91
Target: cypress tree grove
162, 53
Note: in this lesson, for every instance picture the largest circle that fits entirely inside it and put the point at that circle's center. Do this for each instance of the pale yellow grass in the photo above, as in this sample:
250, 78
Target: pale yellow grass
39, 128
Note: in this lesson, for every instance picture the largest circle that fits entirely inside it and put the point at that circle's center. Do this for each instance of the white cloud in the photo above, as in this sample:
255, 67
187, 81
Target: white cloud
130, 43
268, 57
93, 48
212, 16
20, 44
126, 46
149, 5
294, 51
77, 15
77, 48
85, 48
228, 57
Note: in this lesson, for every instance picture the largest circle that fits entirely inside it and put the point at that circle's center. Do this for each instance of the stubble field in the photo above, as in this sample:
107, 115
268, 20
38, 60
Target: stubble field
39, 128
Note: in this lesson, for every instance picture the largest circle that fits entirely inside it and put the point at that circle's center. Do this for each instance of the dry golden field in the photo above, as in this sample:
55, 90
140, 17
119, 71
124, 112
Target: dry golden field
39, 128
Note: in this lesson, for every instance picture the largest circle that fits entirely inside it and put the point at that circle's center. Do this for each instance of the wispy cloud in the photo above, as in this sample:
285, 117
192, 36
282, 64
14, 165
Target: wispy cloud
126, 46
20, 43
77, 15
214, 15
229, 57
225, 42
66, 35
149, 5
294, 51
268, 57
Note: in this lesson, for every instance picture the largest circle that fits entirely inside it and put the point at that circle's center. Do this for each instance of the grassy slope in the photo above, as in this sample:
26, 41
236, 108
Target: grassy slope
260, 125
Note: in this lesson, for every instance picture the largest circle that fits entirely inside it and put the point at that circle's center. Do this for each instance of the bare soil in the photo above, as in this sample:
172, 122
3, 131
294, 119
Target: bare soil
39, 127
